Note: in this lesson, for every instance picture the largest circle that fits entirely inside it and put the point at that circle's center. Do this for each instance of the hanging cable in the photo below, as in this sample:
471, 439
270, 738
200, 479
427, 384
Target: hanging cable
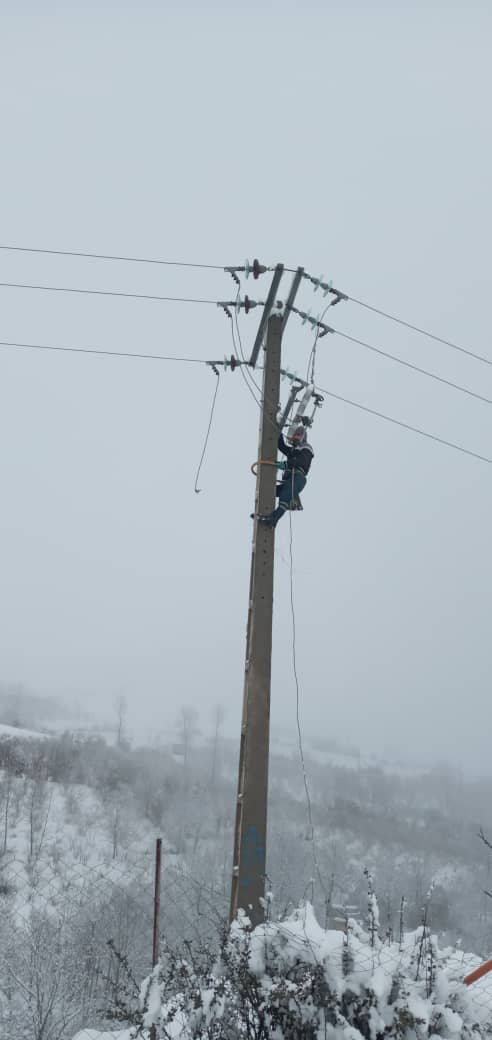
247, 373
209, 427
311, 368
298, 719
238, 349
104, 292
201, 361
405, 426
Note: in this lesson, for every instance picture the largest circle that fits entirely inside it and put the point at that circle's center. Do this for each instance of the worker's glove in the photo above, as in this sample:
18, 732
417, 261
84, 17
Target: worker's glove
281, 465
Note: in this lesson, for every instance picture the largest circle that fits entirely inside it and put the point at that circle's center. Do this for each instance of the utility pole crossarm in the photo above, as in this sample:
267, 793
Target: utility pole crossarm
267, 310
289, 303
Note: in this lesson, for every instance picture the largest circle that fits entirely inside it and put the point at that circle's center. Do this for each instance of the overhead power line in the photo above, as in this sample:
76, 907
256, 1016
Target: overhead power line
104, 292
328, 288
421, 331
106, 256
103, 352
416, 368
404, 425
222, 267
202, 361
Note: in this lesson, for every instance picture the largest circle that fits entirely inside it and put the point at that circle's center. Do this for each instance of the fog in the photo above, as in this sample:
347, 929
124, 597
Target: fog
353, 140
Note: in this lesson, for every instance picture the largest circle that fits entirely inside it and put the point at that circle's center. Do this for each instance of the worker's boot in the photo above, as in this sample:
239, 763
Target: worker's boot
267, 521
273, 518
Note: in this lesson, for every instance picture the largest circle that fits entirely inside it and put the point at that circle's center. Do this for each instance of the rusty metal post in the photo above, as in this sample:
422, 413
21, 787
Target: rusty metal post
157, 908
157, 901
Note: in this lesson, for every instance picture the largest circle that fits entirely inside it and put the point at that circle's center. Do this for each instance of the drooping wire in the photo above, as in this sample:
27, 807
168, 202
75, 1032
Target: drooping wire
209, 427
249, 382
104, 292
311, 367
404, 425
298, 718
105, 256
238, 350
202, 361
240, 342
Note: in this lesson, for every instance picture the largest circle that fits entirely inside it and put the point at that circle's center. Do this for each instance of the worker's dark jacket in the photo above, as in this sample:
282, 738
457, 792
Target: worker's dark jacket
297, 458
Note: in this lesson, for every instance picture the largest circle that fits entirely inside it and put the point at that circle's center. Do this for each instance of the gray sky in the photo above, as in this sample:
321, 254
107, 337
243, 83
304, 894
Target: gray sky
353, 139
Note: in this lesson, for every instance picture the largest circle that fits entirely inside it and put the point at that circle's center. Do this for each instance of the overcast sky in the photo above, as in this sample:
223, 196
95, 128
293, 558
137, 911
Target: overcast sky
348, 137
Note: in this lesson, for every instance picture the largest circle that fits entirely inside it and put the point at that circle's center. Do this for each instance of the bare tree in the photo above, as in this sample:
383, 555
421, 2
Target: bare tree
121, 708
187, 728
6, 788
219, 715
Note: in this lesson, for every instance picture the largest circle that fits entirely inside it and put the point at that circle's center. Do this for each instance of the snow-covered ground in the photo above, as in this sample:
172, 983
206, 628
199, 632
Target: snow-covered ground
409, 990
20, 734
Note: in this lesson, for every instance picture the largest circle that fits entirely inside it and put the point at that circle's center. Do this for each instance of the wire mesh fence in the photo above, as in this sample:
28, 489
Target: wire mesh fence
77, 871
77, 909
77, 936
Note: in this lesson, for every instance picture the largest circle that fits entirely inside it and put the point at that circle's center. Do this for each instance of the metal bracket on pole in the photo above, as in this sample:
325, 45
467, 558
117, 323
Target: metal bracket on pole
299, 416
296, 281
267, 310
290, 402
314, 322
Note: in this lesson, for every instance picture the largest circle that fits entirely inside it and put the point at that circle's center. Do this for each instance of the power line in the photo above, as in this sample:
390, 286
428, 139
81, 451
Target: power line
406, 426
241, 353
209, 427
422, 332
221, 267
104, 292
101, 351
416, 368
105, 256
201, 361
328, 287
312, 357
247, 373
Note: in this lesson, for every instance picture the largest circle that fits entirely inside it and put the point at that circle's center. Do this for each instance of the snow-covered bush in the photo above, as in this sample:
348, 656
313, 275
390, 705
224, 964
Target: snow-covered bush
291, 980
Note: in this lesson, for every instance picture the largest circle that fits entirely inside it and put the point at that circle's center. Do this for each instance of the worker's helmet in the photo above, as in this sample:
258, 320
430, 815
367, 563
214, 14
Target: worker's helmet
299, 436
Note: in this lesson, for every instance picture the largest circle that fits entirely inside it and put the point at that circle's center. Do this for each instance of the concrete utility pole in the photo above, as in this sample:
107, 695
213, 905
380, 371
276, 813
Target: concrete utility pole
248, 881
249, 862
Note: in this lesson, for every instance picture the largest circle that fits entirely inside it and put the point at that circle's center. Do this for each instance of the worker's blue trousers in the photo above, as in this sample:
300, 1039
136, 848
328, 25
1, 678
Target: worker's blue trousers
292, 485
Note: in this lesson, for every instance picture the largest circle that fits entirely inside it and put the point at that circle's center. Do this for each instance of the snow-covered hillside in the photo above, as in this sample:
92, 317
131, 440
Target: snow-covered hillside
17, 733
78, 823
